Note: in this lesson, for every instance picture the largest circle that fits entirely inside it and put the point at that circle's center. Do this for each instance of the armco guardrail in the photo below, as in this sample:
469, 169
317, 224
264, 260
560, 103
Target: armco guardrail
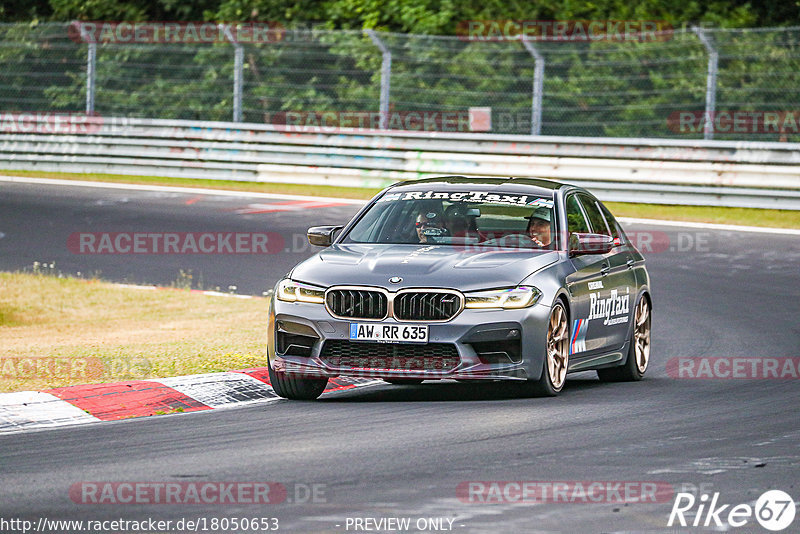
721, 173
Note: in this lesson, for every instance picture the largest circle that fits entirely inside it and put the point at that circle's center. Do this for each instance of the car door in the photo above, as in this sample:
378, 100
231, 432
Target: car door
610, 303
584, 286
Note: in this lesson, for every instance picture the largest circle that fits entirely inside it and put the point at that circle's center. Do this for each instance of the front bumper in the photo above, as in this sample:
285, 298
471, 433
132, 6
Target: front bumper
305, 340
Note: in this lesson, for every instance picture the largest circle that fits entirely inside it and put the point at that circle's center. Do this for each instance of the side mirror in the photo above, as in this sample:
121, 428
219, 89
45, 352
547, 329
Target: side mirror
590, 244
322, 236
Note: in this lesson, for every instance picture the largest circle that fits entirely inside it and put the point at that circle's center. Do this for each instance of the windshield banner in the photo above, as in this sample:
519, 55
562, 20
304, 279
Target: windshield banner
470, 196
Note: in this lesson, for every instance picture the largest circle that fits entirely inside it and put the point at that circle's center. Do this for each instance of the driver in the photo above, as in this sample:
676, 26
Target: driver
539, 227
429, 225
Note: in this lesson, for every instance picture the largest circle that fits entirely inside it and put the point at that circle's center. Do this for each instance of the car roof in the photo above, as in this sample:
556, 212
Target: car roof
538, 186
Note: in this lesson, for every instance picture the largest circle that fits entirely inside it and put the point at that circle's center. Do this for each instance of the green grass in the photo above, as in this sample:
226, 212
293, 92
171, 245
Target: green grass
66, 331
740, 216
709, 214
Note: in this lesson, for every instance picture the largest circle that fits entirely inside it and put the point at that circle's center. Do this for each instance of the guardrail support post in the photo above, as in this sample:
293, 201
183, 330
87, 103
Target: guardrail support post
538, 85
386, 73
238, 68
91, 62
711, 82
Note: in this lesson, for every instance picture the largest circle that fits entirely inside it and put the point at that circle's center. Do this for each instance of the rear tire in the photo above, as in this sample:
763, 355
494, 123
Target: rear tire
403, 381
294, 388
554, 367
639, 350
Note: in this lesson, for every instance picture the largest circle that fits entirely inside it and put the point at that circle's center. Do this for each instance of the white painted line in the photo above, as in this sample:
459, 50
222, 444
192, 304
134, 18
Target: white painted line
220, 389
174, 189
132, 286
711, 226
24, 410
204, 292
284, 206
219, 294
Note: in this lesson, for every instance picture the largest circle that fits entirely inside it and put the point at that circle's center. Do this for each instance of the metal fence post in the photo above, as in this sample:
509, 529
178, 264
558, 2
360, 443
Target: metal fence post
711, 82
91, 62
238, 67
238, 74
386, 73
538, 85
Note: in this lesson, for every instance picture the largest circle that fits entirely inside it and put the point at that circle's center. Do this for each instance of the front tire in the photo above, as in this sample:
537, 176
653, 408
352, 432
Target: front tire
295, 388
639, 350
554, 369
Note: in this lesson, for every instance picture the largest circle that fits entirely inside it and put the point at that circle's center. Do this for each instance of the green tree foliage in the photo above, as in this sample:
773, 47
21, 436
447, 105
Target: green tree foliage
325, 63
405, 16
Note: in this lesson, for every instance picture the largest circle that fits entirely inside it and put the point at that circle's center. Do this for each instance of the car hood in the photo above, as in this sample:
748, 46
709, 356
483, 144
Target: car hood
421, 266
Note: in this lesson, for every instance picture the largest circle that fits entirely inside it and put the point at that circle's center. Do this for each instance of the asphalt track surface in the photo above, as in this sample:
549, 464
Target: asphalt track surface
401, 451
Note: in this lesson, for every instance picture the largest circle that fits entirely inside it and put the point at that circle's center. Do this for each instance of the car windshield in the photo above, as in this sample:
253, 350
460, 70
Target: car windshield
457, 218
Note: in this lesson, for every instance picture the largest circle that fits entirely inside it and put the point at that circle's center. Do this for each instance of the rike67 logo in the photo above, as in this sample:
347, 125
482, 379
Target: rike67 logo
774, 510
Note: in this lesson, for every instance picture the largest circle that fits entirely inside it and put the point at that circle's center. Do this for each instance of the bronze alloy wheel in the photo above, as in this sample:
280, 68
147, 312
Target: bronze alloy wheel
557, 347
641, 335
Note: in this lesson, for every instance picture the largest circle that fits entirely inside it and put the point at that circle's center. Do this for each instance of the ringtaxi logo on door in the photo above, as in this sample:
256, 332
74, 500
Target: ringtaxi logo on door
774, 510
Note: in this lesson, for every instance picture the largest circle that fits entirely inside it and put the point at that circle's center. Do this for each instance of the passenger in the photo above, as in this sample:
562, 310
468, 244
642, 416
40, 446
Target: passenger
460, 223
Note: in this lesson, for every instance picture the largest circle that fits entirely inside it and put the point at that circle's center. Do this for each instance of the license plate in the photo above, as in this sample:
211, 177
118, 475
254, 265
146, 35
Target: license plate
389, 333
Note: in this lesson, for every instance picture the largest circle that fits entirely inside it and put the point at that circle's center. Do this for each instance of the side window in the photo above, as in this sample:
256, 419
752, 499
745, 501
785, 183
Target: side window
576, 222
595, 217
613, 225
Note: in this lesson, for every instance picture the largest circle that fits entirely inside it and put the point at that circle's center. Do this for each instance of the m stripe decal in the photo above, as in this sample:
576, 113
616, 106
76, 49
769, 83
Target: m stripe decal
579, 328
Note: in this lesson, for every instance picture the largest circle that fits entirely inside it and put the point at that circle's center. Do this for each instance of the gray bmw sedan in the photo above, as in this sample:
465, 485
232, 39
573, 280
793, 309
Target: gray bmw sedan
505, 279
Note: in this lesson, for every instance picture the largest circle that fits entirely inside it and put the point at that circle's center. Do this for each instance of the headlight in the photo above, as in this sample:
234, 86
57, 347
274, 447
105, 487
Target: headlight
291, 291
518, 297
